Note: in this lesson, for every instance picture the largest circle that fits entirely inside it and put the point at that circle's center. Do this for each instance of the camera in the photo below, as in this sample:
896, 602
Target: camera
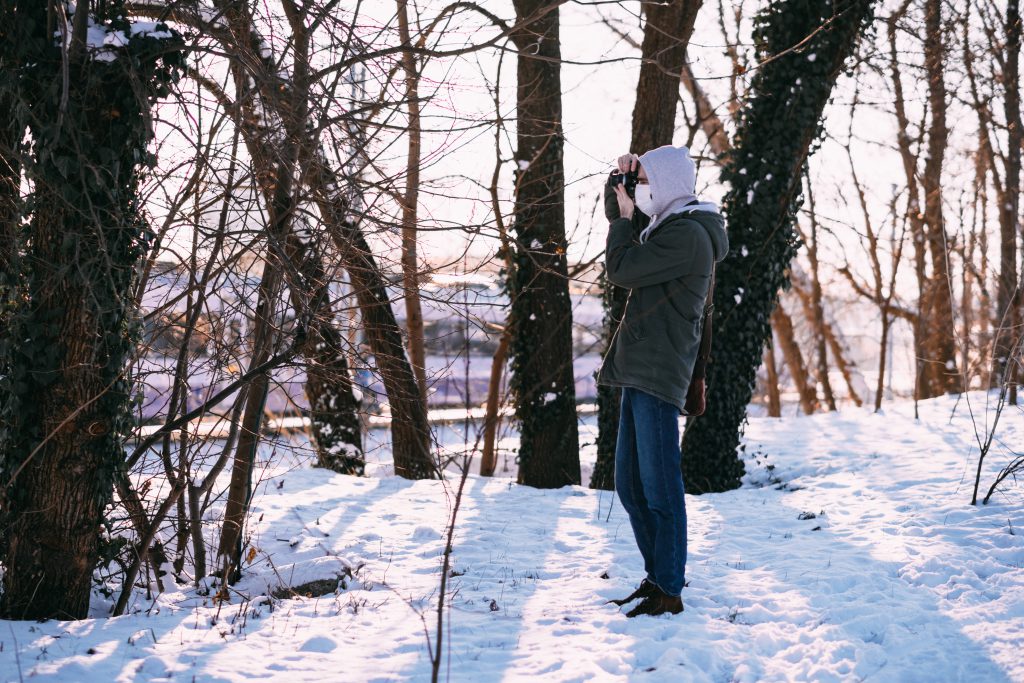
628, 180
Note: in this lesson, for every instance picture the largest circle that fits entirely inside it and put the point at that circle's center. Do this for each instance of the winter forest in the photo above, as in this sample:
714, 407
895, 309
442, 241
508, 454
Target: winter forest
303, 305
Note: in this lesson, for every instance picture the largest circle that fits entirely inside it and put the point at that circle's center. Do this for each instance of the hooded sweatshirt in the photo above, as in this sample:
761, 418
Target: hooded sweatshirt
672, 176
668, 273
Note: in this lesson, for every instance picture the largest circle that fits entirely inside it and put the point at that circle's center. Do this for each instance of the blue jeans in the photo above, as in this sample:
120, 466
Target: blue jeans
649, 482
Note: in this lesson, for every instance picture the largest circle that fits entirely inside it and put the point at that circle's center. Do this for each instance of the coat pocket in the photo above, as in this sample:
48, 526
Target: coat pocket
635, 331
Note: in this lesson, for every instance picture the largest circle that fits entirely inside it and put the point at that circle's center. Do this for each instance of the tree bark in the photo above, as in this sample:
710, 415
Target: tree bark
410, 265
940, 362
11, 133
541, 310
333, 407
934, 331
817, 317
774, 398
1008, 297
65, 404
239, 493
663, 54
781, 120
883, 351
834, 345
489, 459
275, 153
783, 326
410, 429
707, 118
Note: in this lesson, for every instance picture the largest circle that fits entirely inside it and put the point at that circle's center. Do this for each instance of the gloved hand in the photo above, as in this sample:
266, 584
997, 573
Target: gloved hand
611, 202
617, 203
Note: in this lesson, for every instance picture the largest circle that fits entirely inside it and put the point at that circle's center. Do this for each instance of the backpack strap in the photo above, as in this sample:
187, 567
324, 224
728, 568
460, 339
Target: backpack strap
704, 353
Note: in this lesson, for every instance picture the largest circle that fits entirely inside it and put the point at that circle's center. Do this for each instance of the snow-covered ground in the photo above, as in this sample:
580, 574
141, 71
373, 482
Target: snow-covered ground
851, 553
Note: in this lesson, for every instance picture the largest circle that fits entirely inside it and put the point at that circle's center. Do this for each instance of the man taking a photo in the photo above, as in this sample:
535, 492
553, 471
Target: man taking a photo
662, 245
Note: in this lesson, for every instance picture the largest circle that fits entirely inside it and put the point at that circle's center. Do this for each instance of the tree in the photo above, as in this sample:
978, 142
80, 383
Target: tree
934, 332
65, 394
663, 53
1006, 177
541, 313
802, 46
410, 199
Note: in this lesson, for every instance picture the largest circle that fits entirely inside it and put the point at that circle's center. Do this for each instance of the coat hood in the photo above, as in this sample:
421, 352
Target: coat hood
714, 223
673, 179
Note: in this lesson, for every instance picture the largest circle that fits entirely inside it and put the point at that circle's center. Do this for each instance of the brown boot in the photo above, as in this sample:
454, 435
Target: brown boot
645, 590
658, 603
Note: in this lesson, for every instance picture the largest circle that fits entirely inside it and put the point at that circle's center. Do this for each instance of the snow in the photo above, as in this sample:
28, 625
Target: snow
851, 552
104, 43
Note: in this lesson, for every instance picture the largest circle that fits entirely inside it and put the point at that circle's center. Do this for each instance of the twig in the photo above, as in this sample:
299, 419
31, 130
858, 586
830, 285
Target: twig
435, 657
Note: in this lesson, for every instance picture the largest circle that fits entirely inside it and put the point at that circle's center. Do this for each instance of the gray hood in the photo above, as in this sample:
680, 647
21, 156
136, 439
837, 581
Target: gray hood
673, 179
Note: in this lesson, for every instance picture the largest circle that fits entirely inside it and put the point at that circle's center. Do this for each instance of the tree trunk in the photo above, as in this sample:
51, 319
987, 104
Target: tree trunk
783, 326
832, 341
817, 317
11, 133
774, 398
334, 410
883, 352
608, 398
1008, 297
239, 494
663, 53
939, 333
410, 266
541, 311
840, 358
489, 459
273, 139
65, 405
781, 120
333, 407
708, 119
410, 429
924, 384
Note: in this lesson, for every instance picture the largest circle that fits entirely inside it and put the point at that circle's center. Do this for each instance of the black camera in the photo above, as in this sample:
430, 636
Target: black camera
628, 180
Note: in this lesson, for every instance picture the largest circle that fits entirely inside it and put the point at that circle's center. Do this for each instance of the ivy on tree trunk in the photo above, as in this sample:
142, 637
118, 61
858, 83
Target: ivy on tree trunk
64, 392
802, 45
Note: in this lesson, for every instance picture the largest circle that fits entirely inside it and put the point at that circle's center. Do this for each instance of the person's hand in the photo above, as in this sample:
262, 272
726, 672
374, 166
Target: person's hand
628, 162
626, 205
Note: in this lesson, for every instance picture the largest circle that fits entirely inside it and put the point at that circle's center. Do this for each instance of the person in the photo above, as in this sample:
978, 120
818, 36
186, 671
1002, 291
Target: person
661, 247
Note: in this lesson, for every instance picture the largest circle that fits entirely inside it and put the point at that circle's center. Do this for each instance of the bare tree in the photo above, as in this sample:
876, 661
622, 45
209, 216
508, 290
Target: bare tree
541, 312
934, 332
1004, 168
410, 266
